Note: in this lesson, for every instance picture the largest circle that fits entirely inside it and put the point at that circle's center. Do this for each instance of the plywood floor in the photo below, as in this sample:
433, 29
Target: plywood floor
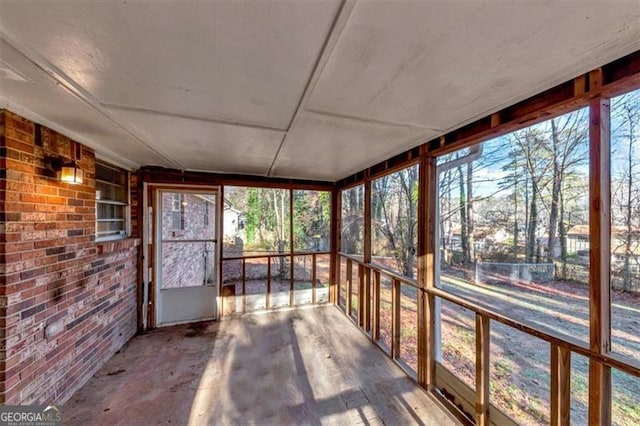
306, 366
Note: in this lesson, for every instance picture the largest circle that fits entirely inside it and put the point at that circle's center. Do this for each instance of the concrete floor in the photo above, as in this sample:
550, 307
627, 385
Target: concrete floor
306, 366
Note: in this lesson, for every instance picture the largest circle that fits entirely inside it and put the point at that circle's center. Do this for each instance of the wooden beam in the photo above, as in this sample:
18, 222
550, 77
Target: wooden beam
362, 301
395, 318
622, 363
267, 300
368, 296
599, 394
599, 256
349, 286
483, 341
580, 85
615, 77
313, 278
390, 165
160, 175
428, 249
334, 261
375, 334
291, 250
560, 385
244, 285
496, 119
365, 300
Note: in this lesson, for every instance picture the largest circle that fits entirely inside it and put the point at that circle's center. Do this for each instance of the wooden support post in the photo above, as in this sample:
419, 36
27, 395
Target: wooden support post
580, 85
364, 307
496, 119
599, 256
395, 319
368, 285
244, 285
427, 252
220, 259
366, 255
362, 301
268, 295
560, 385
334, 261
291, 250
375, 333
483, 342
313, 278
349, 284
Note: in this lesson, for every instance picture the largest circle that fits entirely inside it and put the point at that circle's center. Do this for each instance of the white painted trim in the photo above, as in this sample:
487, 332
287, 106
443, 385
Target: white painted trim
146, 210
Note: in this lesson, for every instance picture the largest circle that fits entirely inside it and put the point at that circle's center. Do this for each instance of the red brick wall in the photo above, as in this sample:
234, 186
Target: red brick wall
67, 303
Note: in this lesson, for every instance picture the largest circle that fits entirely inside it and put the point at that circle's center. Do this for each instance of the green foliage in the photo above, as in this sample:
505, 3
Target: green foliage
252, 215
311, 222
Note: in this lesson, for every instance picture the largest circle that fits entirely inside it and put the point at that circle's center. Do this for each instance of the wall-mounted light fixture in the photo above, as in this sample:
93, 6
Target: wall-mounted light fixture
69, 171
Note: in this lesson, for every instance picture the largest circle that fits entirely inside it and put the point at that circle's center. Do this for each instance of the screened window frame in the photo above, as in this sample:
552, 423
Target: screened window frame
125, 231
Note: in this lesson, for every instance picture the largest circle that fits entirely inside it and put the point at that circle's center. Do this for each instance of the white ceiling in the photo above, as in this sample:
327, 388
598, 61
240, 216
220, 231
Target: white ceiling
314, 90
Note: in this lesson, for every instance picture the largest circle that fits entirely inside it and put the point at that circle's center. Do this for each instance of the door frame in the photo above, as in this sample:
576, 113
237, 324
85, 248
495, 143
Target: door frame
150, 234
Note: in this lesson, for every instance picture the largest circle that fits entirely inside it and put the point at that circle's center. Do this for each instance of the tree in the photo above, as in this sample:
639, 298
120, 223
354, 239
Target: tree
527, 143
625, 183
395, 214
311, 220
352, 220
567, 148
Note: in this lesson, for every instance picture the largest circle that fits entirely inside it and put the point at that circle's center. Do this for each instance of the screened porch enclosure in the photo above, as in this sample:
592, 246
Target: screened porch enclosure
484, 263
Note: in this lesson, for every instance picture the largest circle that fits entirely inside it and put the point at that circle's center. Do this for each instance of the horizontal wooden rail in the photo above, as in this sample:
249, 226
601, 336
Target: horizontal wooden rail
629, 366
620, 362
382, 270
242, 279
276, 255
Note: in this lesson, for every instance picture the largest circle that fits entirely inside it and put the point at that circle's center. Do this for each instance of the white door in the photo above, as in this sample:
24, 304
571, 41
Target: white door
186, 255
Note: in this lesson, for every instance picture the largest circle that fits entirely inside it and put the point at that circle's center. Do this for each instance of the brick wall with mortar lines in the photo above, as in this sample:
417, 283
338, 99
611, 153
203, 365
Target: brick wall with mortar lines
67, 303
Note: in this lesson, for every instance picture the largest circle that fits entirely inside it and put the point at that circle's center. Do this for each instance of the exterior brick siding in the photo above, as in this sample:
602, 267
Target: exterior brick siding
67, 303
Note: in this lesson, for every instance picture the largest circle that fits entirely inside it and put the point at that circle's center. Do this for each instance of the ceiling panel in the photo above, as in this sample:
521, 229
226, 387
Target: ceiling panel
329, 148
207, 146
440, 64
214, 85
237, 61
26, 90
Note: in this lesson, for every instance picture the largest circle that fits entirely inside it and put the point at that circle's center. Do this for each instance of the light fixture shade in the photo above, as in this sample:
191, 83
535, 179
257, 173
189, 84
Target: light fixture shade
71, 174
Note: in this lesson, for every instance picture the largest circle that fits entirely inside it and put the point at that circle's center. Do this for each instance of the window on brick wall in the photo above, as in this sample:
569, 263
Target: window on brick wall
112, 202
178, 203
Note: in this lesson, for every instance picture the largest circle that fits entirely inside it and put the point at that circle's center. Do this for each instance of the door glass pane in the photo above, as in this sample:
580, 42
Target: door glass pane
188, 216
187, 264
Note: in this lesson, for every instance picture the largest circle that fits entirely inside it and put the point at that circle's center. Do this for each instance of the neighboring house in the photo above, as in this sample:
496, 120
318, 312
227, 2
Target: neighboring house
233, 223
